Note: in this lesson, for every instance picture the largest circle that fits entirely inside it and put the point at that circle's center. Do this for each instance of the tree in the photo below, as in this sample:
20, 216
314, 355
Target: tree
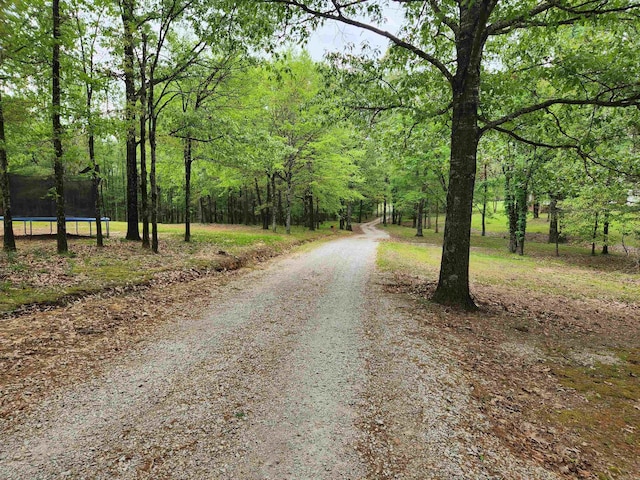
56, 105
439, 35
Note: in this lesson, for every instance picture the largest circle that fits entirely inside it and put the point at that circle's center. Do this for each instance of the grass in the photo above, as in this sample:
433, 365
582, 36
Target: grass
605, 412
36, 274
572, 274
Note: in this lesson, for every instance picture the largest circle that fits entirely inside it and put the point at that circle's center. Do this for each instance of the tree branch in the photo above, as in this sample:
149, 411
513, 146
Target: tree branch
337, 15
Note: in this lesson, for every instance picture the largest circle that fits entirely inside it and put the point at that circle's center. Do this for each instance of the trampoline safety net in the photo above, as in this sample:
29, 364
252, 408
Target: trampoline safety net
35, 196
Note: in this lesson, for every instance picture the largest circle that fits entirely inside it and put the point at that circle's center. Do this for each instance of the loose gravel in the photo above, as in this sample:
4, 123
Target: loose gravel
302, 370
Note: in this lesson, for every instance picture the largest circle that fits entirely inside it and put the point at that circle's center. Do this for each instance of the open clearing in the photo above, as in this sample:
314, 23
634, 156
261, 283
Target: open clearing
318, 366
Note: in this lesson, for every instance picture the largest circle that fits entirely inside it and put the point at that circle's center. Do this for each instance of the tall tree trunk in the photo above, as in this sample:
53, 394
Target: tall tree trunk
263, 213
153, 123
419, 218
484, 202
96, 187
360, 213
384, 212
594, 236
348, 219
522, 210
188, 142
427, 215
453, 282
605, 234
289, 192
129, 24
56, 104
510, 206
536, 208
9, 241
274, 210
245, 205
144, 196
553, 220
267, 208
312, 219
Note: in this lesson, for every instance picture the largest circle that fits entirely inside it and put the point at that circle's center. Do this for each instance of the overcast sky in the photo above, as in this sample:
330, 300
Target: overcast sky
335, 36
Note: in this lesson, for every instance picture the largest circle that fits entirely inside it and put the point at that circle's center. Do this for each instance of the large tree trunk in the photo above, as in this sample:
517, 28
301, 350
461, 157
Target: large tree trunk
56, 104
9, 241
128, 22
152, 179
188, 143
144, 198
348, 219
453, 283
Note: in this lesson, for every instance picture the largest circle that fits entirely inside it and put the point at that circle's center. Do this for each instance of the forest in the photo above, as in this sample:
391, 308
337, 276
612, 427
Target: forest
183, 111
322, 239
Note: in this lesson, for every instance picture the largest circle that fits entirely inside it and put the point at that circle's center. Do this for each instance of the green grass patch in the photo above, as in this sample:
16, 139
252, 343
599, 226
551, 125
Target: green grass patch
497, 267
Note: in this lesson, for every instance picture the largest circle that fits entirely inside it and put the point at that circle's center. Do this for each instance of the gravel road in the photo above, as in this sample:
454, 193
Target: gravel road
301, 370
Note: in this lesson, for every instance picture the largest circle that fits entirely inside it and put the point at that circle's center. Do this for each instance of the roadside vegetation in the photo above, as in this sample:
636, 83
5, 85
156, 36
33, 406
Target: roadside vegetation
34, 275
552, 353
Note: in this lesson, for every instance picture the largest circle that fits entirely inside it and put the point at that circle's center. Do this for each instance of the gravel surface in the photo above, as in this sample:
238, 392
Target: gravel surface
302, 370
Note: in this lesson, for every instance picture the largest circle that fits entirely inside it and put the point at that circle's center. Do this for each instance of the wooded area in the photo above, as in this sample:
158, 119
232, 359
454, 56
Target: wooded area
185, 111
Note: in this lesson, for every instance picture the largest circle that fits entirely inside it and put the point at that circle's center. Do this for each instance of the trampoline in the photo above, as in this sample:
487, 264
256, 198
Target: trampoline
32, 200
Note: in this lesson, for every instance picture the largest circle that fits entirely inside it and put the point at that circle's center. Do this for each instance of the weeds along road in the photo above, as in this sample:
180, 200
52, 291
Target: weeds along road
302, 370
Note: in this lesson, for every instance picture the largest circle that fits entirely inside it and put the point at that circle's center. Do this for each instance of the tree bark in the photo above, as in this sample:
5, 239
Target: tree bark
128, 22
384, 212
9, 241
484, 203
188, 143
56, 104
594, 236
153, 125
453, 282
274, 211
419, 218
521, 205
348, 219
144, 196
288, 194
312, 219
605, 236
553, 220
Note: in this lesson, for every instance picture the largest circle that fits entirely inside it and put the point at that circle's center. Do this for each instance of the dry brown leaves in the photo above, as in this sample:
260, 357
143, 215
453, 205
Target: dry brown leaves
510, 349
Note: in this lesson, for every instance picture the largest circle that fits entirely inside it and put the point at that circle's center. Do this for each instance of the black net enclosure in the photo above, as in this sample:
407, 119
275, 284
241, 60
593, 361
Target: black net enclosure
35, 196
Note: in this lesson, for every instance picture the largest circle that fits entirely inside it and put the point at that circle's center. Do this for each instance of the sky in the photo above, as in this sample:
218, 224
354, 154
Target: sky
335, 36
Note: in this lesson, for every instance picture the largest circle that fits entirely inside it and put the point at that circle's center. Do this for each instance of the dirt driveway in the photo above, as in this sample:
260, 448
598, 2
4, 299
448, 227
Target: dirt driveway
302, 370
